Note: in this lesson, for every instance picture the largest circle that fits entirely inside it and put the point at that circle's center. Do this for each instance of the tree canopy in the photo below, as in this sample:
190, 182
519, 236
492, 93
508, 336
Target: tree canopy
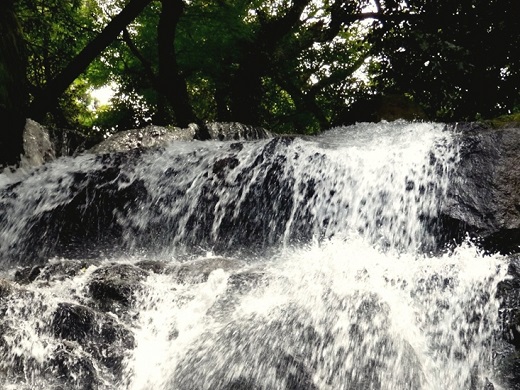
288, 65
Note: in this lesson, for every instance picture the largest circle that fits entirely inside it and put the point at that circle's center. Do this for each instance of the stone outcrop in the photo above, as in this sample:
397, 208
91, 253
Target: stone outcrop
234, 131
37, 145
153, 136
96, 214
41, 145
507, 348
484, 194
146, 137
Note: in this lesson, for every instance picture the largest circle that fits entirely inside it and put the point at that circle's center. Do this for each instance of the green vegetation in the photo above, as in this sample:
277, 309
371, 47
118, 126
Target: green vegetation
288, 65
512, 120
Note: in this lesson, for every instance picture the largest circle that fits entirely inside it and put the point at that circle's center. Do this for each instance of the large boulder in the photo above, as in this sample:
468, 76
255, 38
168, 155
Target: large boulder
114, 286
146, 137
37, 145
154, 136
484, 194
99, 205
286, 349
83, 223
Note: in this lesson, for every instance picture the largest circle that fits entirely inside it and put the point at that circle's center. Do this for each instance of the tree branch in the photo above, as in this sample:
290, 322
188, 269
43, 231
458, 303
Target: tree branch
137, 54
56, 87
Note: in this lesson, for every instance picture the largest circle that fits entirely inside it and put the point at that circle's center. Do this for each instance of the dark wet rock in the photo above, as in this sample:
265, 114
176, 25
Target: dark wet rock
250, 366
297, 374
94, 215
509, 371
197, 271
507, 350
245, 281
27, 275
509, 294
147, 137
84, 224
88, 225
115, 283
97, 218
484, 194
73, 370
73, 322
56, 270
5, 288
228, 131
221, 166
157, 267
110, 343
38, 148
238, 284
271, 195
104, 338
59, 270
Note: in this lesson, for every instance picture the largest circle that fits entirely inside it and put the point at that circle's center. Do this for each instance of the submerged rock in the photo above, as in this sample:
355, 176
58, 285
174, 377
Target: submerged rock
84, 346
286, 349
99, 334
115, 284
72, 370
197, 271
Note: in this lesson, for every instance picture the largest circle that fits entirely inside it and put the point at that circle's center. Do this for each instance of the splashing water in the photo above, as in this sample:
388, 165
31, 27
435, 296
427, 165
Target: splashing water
307, 263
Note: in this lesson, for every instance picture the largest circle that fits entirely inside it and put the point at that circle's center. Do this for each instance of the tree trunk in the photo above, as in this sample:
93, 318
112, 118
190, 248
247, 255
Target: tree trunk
48, 97
172, 83
246, 89
13, 92
246, 86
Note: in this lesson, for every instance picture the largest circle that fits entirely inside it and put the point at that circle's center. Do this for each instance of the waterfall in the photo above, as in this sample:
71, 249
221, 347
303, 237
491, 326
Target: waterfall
284, 263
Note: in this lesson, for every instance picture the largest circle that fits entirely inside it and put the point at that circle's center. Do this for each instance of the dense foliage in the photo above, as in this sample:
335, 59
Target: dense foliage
460, 60
289, 65
55, 31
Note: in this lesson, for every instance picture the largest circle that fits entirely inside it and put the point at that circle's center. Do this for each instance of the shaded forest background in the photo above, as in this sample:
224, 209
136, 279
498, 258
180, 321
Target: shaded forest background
297, 66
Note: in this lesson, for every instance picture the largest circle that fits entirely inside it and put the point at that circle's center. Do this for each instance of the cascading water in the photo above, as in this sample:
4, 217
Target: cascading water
286, 263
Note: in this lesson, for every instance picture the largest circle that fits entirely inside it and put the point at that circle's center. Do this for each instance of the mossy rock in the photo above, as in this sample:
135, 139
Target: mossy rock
504, 121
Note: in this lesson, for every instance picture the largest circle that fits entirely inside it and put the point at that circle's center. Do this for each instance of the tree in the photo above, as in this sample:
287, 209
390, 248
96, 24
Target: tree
274, 64
48, 97
254, 62
13, 92
460, 60
54, 32
289, 65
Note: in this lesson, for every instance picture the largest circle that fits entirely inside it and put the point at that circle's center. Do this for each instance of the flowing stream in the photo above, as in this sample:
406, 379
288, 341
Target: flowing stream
285, 263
